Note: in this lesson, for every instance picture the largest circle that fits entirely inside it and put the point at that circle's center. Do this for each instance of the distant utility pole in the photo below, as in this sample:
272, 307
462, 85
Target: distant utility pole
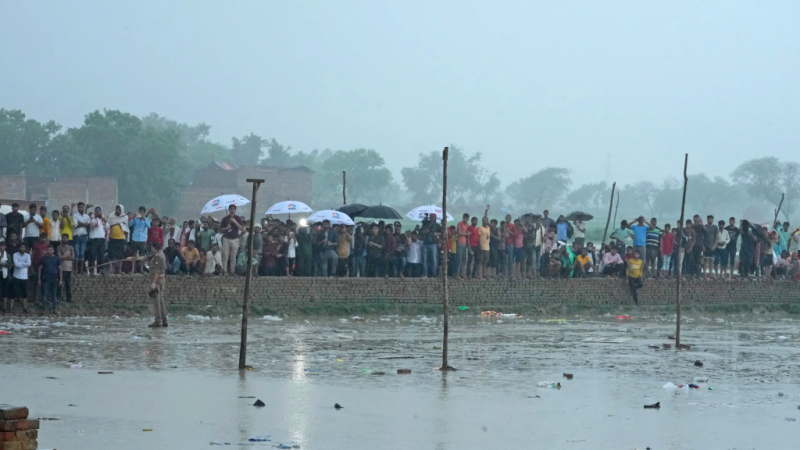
249, 275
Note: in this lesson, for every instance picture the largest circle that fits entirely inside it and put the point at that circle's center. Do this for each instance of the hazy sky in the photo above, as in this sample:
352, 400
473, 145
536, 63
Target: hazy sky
617, 87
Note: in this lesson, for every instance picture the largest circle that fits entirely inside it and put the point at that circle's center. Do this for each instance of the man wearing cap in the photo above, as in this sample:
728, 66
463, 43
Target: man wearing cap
158, 267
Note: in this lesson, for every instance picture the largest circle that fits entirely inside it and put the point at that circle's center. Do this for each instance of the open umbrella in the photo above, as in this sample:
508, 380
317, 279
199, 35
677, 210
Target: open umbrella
222, 202
335, 217
353, 209
381, 212
289, 207
533, 216
419, 212
579, 215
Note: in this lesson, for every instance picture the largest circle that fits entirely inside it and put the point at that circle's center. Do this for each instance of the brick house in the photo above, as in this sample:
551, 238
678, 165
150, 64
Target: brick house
54, 192
218, 178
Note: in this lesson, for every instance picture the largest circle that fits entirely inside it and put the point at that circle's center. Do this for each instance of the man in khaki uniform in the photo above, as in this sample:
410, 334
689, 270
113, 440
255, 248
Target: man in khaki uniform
158, 265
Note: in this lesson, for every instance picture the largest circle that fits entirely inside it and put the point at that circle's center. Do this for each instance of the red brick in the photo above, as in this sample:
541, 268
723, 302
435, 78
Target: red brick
9, 412
15, 445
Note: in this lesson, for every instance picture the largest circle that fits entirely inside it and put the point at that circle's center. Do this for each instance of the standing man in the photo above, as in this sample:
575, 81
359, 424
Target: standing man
653, 253
733, 235
117, 234
484, 241
580, 231
14, 221
67, 255
326, 241
50, 279
462, 252
22, 262
158, 265
55, 229
80, 236
640, 237
231, 227
547, 220
32, 227
3, 225
139, 224
634, 274
721, 249
709, 251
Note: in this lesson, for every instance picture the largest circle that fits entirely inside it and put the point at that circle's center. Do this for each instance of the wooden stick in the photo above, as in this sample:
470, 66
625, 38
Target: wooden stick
616, 208
610, 204
678, 264
249, 275
445, 291
107, 263
344, 187
778, 211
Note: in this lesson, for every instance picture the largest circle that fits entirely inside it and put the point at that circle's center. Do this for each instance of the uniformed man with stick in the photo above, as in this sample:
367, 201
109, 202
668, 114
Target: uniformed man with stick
158, 265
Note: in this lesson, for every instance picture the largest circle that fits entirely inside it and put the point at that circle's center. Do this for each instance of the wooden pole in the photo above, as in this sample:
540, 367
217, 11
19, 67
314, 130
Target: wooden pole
344, 187
610, 205
775, 220
445, 257
678, 264
249, 275
616, 208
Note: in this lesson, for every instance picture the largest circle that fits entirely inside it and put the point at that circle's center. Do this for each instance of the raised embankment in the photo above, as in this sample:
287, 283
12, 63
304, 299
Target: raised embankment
273, 294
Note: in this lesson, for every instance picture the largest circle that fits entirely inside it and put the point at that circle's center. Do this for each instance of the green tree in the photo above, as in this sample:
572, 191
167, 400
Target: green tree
198, 149
767, 178
143, 159
466, 177
366, 175
547, 185
247, 151
589, 194
35, 148
706, 194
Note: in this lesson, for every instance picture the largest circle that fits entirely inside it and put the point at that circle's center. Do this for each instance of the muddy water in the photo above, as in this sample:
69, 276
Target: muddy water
182, 383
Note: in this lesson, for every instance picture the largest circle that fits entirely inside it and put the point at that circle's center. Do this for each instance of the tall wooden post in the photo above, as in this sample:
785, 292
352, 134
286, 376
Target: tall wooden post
777, 211
445, 257
344, 187
678, 264
610, 205
249, 275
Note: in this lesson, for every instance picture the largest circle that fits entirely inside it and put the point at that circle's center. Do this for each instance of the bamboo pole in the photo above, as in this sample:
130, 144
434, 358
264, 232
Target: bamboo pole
445, 291
610, 204
344, 187
775, 220
616, 208
248, 275
678, 264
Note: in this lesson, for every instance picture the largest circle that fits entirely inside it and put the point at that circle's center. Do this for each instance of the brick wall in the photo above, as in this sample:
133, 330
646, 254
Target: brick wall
13, 186
293, 293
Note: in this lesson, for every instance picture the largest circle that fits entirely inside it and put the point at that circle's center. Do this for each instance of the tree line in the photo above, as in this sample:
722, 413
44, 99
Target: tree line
153, 157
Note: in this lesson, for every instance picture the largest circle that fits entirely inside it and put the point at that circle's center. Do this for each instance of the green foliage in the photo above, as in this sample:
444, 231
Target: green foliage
767, 178
706, 194
547, 185
589, 194
247, 151
197, 149
36, 148
465, 177
366, 175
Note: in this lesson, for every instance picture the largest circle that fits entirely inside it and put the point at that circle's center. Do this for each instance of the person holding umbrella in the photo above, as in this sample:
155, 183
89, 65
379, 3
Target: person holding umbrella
580, 231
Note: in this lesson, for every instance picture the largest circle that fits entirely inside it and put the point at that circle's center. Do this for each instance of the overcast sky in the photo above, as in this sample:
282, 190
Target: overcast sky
607, 88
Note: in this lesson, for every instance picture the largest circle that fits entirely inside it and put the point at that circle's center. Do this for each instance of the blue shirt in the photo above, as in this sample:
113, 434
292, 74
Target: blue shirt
639, 235
50, 266
561, 234
139, 229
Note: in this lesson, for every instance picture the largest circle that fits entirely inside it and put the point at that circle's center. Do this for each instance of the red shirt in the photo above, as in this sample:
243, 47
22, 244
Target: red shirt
39, 250
462, 227
474, 239
155, 235
668, 242
512, 229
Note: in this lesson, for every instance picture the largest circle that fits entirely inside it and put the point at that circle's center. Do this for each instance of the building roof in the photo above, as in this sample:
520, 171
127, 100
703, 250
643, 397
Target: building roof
224, 165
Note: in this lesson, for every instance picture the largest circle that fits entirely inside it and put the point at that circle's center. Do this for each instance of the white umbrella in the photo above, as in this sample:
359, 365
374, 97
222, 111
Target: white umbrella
419, 212
222, 202
289, 207
335, 217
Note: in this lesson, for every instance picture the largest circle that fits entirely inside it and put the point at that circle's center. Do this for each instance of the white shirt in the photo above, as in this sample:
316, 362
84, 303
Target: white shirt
723, 238
82, 219
218, 239
55, 230
97, 229
414, 254
291, 246
212, 261
21, 264
31, 230
3, 270
577, 232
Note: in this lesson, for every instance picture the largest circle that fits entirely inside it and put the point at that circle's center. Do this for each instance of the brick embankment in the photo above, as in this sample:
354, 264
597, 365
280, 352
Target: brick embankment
309, 294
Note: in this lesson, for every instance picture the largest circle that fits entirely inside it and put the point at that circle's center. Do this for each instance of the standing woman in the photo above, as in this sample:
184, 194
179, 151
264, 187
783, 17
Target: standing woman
747, 250
4, 273
117, 233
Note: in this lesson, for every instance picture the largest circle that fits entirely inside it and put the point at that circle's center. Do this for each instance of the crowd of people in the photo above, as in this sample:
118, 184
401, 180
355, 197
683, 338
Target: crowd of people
40, 254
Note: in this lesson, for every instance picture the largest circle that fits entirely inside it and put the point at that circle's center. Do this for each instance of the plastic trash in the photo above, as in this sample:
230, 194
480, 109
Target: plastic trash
338, 406
463, 308
403, 371
700, 379
656, 405
698, 363
263, 438
4, 332
791, 419
259, 403
147, 429
489, 313
568, 376
78, 365
544, 383
623, 317
670, 385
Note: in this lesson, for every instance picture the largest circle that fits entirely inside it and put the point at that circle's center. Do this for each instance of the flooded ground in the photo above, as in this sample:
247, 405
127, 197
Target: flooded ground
181, 382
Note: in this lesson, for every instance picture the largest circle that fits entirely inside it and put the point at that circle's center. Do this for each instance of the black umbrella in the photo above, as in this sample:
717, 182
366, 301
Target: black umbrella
533, 216
353, 209
759, 232
579, 215
380, 212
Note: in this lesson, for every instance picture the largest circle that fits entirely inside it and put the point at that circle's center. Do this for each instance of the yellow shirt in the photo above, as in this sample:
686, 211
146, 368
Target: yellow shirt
66, 226
635, 268
116, 232
484, 237
582, 260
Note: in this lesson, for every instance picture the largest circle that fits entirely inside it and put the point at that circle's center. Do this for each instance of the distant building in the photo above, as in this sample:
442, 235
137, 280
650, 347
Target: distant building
54, 192
218, 178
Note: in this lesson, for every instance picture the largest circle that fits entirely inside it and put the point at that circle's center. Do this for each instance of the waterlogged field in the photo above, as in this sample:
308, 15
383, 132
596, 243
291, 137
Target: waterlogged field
181, 382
